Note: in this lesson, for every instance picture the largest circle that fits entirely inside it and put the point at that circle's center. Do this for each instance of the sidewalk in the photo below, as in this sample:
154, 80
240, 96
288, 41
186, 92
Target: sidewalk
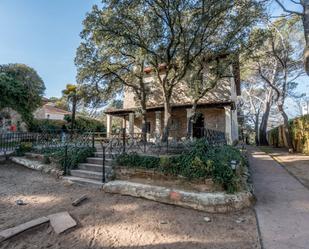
296, 163
282, 207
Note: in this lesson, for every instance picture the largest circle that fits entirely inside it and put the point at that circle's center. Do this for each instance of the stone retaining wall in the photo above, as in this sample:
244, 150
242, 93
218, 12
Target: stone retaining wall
217, 202
36, 165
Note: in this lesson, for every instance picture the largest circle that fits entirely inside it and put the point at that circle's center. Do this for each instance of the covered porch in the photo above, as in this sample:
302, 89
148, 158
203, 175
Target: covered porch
220, 117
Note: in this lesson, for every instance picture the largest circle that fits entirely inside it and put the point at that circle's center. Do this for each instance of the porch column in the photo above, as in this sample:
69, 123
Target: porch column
131, 123
228, 124
123, 122
158, 123
189, 124
109, 120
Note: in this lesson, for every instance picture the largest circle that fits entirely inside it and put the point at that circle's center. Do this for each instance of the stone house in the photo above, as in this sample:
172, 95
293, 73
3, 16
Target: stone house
216, 111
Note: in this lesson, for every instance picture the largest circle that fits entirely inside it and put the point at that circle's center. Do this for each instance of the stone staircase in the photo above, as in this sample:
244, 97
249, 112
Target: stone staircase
90, 173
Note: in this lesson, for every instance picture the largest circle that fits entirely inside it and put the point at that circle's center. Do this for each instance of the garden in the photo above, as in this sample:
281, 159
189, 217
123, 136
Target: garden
223, 165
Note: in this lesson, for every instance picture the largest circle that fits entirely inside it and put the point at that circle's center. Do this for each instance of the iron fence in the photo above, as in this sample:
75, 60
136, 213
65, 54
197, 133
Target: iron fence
39, 140
121, 142
113, 144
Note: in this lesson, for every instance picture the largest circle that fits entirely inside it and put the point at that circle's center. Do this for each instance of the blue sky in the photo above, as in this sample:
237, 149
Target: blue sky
44, 34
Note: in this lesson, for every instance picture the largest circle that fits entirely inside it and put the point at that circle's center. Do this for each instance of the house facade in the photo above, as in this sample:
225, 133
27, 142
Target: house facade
49, 111
217, 110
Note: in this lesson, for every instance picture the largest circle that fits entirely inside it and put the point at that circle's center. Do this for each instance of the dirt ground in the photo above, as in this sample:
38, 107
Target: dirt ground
297, 164
112, 221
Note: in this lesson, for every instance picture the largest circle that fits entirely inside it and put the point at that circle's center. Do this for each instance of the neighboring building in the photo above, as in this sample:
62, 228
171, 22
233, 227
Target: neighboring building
216, 111
11, 120
49, 111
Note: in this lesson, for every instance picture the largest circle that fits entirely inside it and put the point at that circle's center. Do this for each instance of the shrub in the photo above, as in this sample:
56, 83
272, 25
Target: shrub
75, 155
86, 124
219, 160
139, 161
39, 125
24, 147
203, 161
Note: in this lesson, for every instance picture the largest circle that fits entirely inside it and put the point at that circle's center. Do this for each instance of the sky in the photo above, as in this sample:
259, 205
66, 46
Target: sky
44, 34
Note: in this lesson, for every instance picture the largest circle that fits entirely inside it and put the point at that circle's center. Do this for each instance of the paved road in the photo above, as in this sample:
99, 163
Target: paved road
282, 204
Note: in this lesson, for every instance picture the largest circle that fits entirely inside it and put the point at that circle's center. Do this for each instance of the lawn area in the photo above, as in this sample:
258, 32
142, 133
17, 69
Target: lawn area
112, 221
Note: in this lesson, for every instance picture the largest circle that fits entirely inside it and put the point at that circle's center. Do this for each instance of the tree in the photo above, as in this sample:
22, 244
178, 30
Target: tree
304, 14
21, 88
203, 75
72, 94
253, 100
278, 64
110, 65
167, 36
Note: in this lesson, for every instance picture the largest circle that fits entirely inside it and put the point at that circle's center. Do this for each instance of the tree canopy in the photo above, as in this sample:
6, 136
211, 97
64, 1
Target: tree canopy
21, 89
124, 37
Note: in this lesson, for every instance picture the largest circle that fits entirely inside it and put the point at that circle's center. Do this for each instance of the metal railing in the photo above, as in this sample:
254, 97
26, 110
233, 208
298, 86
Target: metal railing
121, 142
113, 144
13, 140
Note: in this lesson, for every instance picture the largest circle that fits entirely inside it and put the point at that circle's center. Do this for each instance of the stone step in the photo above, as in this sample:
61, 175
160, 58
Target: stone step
99, 161
94, 167
86, 174
83, 181
99, 154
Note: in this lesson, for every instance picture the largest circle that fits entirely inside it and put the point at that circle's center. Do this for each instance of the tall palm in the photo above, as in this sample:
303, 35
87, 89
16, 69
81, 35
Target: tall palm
71, 92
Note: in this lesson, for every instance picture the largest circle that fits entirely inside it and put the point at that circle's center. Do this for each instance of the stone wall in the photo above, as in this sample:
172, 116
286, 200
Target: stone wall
217, 202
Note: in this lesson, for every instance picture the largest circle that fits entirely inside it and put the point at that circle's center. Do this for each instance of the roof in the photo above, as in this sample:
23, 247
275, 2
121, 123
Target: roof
54, 110
121, 112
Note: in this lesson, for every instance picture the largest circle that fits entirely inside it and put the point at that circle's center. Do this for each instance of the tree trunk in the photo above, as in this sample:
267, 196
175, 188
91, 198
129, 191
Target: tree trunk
256, 127
286, 127
74, 102
263, 126
306, 31
191, 119
167, 120
144, 122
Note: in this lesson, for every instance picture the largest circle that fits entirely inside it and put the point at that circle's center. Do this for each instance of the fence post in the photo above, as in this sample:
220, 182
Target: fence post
123, 140
65, 159
144, 141
103, 165
92, 140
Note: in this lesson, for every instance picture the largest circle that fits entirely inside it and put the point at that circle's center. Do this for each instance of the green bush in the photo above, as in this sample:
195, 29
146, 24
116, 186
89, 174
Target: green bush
86, 124
81, 123
139, 161
203, 161
75, 155
39, 125
24, 147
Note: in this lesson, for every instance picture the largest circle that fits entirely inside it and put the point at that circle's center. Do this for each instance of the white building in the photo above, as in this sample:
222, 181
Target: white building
49, 111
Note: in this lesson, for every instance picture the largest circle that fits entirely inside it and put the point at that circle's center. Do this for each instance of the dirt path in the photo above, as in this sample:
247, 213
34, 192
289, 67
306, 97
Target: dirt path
112, 221
282, 206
